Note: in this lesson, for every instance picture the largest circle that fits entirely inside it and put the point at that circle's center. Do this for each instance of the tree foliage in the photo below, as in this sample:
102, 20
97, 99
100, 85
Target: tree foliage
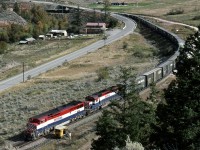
106, 8
16, 8
178, 123
4, 6
15, 32
77, 22
39, 22
3, 47
129, 116
4, 36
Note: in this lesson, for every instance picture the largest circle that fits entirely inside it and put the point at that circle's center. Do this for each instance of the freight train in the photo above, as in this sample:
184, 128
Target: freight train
42, 124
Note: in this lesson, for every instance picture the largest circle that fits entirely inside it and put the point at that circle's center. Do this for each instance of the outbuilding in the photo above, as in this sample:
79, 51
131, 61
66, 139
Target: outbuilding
58, 32
94, 28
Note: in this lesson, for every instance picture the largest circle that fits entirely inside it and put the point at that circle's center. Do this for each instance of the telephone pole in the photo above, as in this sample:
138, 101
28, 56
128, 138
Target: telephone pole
23, 71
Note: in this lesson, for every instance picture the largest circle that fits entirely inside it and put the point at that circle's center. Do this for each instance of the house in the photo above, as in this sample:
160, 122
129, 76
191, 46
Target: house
58, 32
94, 28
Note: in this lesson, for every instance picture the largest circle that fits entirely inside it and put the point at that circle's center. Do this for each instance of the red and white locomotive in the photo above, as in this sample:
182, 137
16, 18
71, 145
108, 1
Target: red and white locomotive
43, 123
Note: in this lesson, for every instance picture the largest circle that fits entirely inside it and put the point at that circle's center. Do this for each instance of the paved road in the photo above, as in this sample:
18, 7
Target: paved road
129, 27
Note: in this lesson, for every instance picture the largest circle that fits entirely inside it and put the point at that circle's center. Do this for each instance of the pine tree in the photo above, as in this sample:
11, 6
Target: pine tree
178, 117
3, 47
16, 8
4, 6
106, 8
129, 116
77, 23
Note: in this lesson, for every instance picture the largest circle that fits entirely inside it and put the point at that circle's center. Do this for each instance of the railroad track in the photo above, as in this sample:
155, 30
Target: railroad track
174, 38
27, 145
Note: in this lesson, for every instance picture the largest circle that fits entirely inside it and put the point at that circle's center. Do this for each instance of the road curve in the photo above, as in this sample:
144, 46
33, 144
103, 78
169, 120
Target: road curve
130, 25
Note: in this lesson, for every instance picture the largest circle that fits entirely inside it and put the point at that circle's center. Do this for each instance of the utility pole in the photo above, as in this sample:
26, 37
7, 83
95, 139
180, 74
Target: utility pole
23, 71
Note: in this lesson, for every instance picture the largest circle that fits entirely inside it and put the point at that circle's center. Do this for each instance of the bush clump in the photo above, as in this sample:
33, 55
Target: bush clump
3, 47
103, 73
176, 11
196, 18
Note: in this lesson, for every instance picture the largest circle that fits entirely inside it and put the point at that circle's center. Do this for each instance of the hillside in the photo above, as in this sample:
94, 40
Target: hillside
11, 17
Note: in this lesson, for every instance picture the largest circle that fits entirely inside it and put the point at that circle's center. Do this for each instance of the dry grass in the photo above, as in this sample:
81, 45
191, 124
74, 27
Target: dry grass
160, 8
108, 56
35, 54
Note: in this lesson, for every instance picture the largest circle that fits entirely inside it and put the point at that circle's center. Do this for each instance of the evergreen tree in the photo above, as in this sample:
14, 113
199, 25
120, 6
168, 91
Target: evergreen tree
78, 21
16, 8
106, 8
4, 36
4, 6
153, 96
178, 117
129, 116
94, 16
3, 47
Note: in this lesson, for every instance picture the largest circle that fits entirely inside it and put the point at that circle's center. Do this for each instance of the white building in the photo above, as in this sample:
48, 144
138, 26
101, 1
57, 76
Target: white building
59, 32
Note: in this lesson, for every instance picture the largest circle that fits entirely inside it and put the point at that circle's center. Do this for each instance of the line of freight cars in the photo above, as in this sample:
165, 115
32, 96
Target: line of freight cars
167, 66
43, 123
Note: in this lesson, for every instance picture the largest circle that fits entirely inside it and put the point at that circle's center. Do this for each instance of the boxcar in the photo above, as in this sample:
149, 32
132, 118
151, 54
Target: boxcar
140, 82
153, 76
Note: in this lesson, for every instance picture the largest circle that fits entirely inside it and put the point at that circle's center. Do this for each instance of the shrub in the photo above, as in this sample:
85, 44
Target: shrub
125, 45
29, 77
196, 18
112, 23
103, 73
176, 11
3, 47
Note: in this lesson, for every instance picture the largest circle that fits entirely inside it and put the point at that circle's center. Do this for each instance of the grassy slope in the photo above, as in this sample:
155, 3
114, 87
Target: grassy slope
160, 8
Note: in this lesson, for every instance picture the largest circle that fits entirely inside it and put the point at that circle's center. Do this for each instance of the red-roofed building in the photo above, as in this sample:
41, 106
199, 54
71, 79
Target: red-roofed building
94, 28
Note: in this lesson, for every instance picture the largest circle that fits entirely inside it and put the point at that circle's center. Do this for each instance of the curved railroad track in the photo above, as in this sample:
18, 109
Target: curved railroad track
169, 35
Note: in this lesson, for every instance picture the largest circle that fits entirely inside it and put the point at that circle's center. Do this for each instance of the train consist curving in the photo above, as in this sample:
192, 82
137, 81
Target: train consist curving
167, 66
42, 124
